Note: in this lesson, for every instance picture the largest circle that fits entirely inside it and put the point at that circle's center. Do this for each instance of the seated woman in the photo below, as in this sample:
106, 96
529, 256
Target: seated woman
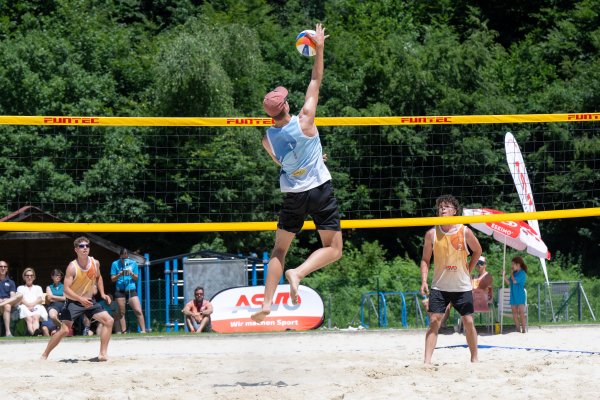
31, 307
55, 295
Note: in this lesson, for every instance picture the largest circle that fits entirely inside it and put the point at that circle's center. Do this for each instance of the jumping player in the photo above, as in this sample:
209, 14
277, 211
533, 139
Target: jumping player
82, 274
451, 275
293, 143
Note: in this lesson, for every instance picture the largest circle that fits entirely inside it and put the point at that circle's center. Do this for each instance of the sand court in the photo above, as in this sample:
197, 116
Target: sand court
315, 365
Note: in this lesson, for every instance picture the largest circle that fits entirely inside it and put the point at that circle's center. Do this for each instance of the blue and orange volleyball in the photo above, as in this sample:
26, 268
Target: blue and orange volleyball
305, 46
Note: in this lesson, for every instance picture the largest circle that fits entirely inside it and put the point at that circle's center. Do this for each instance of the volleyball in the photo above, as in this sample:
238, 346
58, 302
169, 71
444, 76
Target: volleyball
305, 45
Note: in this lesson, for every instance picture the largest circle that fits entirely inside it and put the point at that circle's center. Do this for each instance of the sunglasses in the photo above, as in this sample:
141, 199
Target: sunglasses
57, 276
28, 276
3, 266
480, 263
199, 294
81, 246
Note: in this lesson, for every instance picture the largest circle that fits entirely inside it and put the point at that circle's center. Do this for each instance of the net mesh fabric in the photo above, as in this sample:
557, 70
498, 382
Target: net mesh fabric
223, 174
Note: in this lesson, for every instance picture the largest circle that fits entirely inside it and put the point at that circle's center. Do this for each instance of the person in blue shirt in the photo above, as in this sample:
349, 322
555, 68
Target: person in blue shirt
516, 282
125, 273
9, 299
55, 294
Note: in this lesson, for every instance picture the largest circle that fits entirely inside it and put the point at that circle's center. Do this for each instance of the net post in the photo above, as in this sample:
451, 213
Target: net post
579, 304
167, 293
254, 269
147, 274
184, 262
140, 291
175, 293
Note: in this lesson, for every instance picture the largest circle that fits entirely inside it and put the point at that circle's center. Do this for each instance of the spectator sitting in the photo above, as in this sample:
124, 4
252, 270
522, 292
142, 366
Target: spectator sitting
483, 280
48, 328
31, 307
197, 313
9, 299
56, 296
111, 310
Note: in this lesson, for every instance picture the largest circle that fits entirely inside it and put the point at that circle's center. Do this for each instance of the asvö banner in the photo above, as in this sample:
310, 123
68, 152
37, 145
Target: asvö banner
233, 307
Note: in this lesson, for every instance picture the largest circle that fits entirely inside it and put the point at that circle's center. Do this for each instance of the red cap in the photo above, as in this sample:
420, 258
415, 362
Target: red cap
274, 101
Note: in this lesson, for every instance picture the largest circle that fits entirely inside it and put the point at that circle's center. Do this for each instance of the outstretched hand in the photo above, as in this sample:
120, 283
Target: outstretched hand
319, 37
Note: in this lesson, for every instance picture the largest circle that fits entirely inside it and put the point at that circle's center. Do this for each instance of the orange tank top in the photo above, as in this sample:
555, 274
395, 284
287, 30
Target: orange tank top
83, 284
451, 271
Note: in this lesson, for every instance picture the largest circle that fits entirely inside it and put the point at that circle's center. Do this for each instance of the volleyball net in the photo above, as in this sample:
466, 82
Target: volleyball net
101, 174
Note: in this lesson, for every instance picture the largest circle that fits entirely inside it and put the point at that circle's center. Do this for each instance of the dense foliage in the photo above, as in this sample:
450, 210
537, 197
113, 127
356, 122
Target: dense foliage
217, 58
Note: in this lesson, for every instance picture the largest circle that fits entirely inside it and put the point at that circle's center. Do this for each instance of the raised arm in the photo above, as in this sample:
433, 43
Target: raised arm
475, 247
426, 261
307, 115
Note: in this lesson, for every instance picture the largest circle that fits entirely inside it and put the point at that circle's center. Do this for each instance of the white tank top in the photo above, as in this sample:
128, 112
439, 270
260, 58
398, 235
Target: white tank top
301, 157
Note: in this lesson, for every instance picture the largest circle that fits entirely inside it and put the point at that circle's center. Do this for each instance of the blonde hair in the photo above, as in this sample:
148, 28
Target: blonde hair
28, 270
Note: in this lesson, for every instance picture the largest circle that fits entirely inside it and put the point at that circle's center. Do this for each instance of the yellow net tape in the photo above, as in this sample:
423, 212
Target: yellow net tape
271, 226
435, 120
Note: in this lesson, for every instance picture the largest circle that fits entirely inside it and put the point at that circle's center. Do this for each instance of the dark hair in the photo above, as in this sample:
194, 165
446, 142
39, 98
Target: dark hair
123, 251
449, 200
519, 260
80, 240
57, 271
199, 288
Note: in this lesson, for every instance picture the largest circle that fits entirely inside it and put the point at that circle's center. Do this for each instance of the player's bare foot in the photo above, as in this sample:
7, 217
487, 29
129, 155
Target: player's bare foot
259, 316
294, 283
103, 357
43, 357
474, 360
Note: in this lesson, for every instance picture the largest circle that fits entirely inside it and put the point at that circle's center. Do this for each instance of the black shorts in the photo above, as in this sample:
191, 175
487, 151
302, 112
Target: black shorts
317, 202
125, 294
57, 305
461, 301
73, 309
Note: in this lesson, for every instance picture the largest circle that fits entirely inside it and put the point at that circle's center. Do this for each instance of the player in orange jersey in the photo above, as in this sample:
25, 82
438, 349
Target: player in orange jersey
82, 274
451, 275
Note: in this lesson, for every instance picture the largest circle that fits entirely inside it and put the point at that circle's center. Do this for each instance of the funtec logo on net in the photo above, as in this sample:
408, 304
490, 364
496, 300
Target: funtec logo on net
71, 120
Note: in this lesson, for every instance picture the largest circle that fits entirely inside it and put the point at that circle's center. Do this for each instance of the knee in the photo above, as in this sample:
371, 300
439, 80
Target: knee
109, 322
138, 313
7, 309
468, 321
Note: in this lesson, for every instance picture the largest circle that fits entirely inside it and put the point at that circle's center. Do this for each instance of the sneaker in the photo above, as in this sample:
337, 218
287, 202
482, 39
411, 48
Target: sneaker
9, 336
86, 331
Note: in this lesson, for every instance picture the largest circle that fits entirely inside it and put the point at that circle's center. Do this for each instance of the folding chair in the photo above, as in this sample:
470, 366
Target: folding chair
504, 309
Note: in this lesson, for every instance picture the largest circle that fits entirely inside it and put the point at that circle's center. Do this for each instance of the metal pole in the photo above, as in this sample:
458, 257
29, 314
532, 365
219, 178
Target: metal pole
175, 292
579, 302
545, 304
378, 303
167, 293
552, 307
185, 299
265, 267
501, 302
329, 312
147, 274
139, 283
539, 308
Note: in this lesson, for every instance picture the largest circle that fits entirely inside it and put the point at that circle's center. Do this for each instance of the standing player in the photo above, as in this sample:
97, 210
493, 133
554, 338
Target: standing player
82, 274
293, 142
451, 275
